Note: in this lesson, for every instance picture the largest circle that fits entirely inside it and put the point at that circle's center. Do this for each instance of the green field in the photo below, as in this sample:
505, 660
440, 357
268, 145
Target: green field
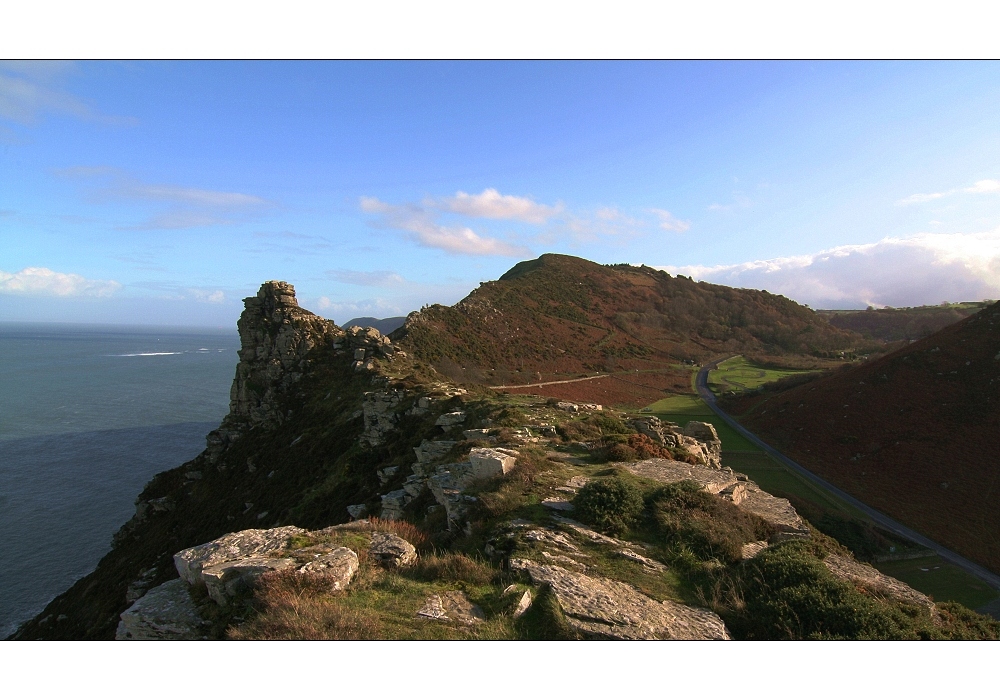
940, 580
737, 374
686, 407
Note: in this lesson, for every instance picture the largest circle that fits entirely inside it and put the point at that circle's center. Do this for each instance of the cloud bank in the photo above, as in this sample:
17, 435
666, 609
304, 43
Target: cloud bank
926, 269
41, 281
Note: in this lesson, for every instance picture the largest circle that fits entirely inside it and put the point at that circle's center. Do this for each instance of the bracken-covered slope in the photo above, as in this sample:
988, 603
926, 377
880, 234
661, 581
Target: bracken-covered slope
914, 433
560, 315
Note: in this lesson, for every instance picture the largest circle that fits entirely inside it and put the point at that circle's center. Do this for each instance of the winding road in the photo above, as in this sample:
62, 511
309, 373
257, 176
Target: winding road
884, 521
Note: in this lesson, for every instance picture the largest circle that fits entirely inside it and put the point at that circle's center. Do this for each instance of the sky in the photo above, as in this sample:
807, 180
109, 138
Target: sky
164, 192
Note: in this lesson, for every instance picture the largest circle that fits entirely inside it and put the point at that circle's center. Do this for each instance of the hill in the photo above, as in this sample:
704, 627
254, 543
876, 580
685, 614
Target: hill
911, 323
383, 325
912, 434
559, 317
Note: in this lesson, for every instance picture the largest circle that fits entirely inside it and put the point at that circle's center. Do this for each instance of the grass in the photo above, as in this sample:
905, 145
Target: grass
738, 374
941, 580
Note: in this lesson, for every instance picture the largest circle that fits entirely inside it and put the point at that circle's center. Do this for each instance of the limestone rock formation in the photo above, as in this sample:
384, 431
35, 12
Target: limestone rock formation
164, 613
601, 608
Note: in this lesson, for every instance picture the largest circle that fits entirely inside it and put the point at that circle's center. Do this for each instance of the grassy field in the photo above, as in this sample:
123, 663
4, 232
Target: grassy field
737, 374
940, 580
686, 407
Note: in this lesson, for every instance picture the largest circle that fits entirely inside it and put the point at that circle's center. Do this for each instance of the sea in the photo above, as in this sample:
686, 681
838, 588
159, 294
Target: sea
88, 414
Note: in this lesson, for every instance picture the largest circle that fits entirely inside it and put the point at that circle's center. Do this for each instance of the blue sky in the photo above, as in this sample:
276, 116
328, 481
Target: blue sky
164, 192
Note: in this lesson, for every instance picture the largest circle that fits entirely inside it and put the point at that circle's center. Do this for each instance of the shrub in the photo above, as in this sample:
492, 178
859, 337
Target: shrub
619, 453
611, 505
788, 593
709, 526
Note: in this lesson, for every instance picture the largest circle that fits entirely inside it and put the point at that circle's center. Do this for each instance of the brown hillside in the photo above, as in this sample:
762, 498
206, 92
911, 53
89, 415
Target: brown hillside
913, 434
913, 323
559, 316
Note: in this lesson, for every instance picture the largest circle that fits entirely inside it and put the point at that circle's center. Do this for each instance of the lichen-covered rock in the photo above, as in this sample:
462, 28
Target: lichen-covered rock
393, 504
231, 579
165, 612
379, 411
452, 605
245, 544
338, 567
447, 420
601, 608
488, 462
391, 551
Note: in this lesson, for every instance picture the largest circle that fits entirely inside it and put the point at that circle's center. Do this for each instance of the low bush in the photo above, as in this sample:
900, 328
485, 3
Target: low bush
686, 516
611, 505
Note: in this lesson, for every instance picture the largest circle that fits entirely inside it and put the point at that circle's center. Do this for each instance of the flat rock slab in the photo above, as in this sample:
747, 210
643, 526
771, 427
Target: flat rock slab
560, 504
601, 608
752, 549
874, 581
232, 579
245, 544
391, 551
166, 612
669, 471
647, 563
338, 567
452, 606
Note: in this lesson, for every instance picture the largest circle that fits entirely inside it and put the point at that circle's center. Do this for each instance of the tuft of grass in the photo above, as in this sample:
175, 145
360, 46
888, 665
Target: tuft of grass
453, 567
290, 605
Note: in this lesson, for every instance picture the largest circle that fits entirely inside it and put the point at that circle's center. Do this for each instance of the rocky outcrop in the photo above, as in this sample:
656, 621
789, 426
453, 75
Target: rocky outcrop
232, 579
745, 494
601, 608
276, 336
366, 346
379, 411
166, 612
336, 567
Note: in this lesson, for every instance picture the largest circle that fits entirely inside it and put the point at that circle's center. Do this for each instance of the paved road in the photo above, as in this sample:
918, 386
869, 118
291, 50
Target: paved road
701, 383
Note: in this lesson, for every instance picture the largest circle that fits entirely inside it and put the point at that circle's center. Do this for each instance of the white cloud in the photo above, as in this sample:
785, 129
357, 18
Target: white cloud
490, 204
925, 269
187, 207
984, 186
41, 281
28, 89
669, 222
210, 297
421, 223
980, 187
740, 201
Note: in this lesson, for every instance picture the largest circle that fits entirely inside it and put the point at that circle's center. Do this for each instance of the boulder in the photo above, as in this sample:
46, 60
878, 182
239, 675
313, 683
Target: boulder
234, 546
447, 420
600, 608
391, 551
358, 510
393, 504
488, 462
338, 567
232, 579
165, 612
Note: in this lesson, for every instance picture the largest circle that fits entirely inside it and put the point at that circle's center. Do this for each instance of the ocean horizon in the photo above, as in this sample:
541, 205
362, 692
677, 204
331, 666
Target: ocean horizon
88, 414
